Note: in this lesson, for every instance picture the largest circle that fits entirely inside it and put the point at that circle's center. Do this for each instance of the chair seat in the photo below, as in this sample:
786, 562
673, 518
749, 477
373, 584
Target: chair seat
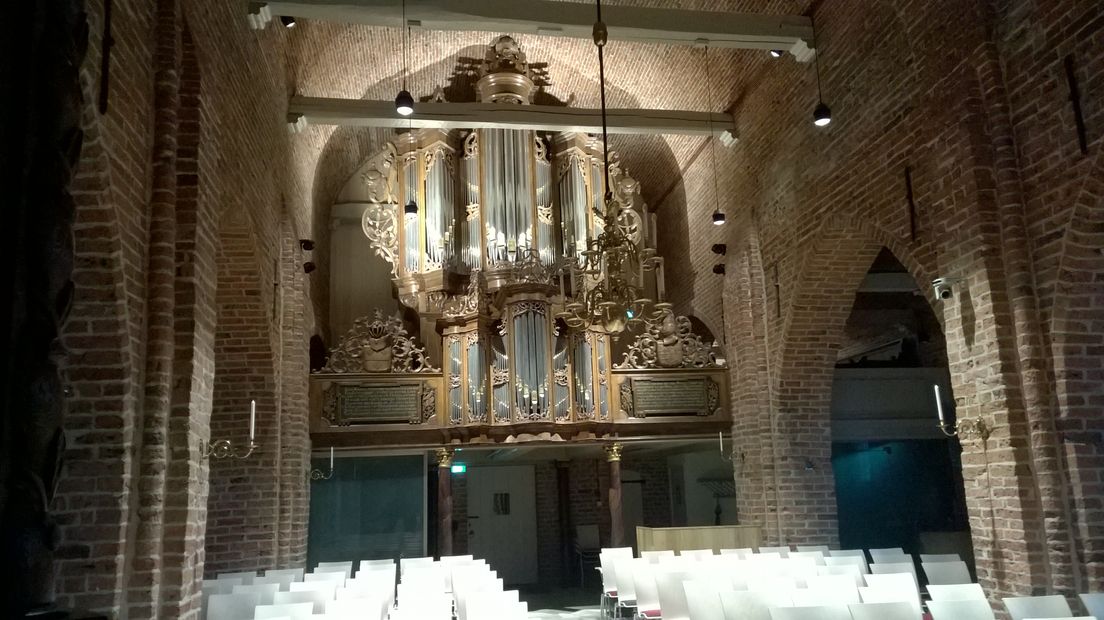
650, 613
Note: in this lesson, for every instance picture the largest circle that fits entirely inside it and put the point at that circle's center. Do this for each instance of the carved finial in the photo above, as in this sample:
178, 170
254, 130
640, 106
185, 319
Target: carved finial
444, 457
505, 73
613, 452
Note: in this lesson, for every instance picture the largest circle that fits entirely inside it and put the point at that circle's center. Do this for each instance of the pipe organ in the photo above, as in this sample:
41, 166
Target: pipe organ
481, 227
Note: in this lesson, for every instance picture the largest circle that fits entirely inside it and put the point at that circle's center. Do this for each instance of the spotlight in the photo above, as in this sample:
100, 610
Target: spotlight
719, 269
719, 248
777, 53
411, 208
288, 21
309, 267
718, 217
822, 115
404, 103
306, 244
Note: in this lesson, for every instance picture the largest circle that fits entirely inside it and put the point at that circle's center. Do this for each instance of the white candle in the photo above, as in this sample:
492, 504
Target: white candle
938, 404
331, 458
252, 419
720, 440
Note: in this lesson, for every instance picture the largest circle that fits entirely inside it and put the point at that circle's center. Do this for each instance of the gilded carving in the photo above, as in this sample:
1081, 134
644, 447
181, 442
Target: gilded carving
377, 345
671, 343
627, 399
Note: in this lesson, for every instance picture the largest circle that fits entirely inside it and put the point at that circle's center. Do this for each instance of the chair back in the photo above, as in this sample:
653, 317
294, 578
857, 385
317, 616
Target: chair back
586, 537
960, 610
957, 592
893, 587
820, 612
895, 567
946, 573
655, 557
883, 611
703, 598
751, 605
857, 561
849, 570
231, 606
296, 574
294, 611
892, 595
741, 553
644, 582
889, 553
1052, 606
1094, 603
623, 577
606, 559
939, 557
405, 563
816, 556
696, 554
329, 567
282, 581
318, 598
781, 551
672, 596
806, 548
328, 587
264, 591
337, 576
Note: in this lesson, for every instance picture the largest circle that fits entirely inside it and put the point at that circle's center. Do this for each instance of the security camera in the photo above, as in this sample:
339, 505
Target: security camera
943, 287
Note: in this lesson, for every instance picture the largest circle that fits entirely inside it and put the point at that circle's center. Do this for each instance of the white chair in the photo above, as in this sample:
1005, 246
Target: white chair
220, 586
821, 548
1052, 606
957, 592
294, 611
697, 554
741, 553
282, 582
623, 577
329, 587
296, 574
816, 556
960, 610
231, 606
1094, 603
769, 556
891, 553
820, 612
751, 605
833, 582
781, 551
849, 570
606, 558
772, 583
703, 598
264, 591
672, 596
329, 567
656, 556
848, 560
246, 577
337, 576
946, 573
647, 594
895, 567
318, 598
360, 609
829, 590
405, 563
903, 594
883, 611
939, 557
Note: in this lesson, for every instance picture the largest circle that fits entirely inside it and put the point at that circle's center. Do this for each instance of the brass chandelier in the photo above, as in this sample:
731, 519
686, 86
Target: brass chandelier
608, 280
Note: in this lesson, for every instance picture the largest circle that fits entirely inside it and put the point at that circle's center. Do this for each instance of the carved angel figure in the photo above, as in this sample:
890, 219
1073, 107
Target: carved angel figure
379, 176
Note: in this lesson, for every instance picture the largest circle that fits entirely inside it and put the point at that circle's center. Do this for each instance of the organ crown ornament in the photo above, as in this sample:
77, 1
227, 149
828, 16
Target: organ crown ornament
377, 345
505, 73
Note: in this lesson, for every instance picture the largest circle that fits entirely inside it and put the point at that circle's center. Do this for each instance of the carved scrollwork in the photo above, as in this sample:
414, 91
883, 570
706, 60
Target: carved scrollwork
627, 399
380, 225
471, 145
670, 343
473, 301
712, 396
499, 376
560, 377
377, 345
379, 176
429, 404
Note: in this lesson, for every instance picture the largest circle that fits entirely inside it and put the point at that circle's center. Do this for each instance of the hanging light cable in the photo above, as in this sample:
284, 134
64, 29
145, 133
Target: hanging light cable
404, 102
718, 213
822, 114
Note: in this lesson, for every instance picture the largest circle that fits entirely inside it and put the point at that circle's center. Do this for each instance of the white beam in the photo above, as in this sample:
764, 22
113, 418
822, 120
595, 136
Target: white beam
568, 19
363, 113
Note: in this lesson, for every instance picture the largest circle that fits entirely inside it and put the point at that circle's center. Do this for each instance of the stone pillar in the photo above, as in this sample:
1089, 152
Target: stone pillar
444, 501
617, 521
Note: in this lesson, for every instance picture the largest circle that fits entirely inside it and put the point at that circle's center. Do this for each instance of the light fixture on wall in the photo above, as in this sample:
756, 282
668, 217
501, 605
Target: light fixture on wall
719, 269
224, 448
306, 244
822, 114
317, 474
966, 428
288, 21
777, 53
718, 214
404, 102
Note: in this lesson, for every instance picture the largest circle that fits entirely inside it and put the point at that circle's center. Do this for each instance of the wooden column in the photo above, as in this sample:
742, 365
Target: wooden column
444, 501
617, 521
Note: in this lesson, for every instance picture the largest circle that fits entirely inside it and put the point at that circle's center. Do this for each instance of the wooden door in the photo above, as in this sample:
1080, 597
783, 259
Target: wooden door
502, 520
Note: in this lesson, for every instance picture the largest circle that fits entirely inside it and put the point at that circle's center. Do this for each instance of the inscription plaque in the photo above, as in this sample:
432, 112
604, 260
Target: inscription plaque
367, 404
670, 397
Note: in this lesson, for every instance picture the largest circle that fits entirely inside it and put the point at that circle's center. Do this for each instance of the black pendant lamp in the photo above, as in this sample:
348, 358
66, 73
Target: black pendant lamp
404, 102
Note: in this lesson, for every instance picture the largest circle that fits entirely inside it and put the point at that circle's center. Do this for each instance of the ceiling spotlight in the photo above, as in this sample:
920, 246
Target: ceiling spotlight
411, 208
288, 21
719, 248
822, 115
718, 217
777, 53
309, 267
719, 269
404, 103
306, 244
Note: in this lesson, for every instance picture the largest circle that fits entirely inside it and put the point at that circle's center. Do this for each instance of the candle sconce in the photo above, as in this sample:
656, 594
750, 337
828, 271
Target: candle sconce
224, 448
967, 428
317, 474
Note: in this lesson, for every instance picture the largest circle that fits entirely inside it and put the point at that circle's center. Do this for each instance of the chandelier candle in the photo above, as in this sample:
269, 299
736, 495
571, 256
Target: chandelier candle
939, 404
252, 420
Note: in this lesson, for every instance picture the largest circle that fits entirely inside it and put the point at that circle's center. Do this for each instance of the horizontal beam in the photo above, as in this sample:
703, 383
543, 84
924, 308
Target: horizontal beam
363, 113
565, 19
